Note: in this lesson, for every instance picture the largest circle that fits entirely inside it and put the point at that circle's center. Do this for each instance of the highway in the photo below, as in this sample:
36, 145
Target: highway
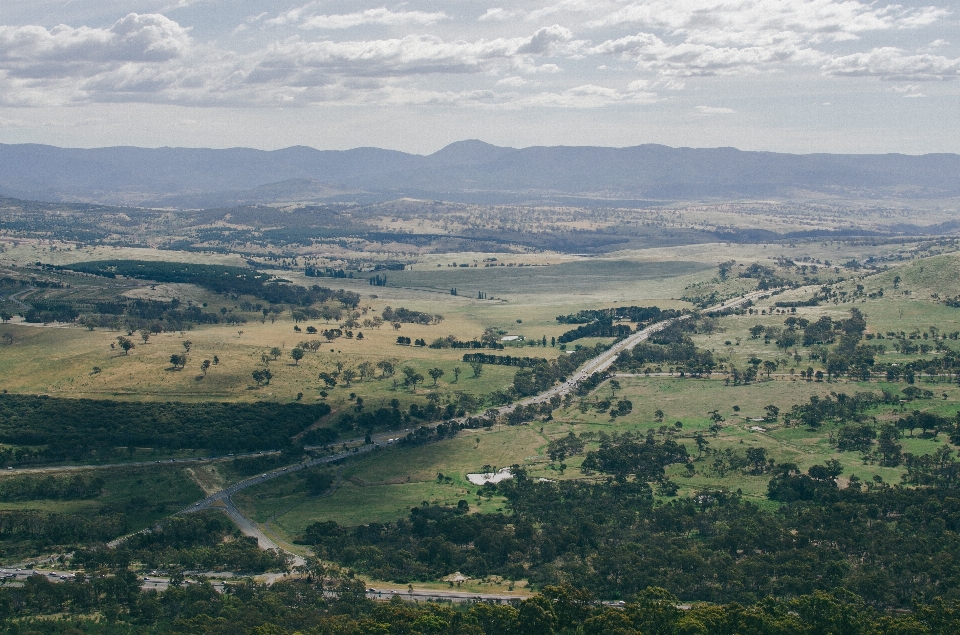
222, 499
599, 363
604, 360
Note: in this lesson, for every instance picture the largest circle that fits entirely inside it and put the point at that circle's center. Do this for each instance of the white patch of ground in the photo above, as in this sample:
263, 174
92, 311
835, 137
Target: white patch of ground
490, 477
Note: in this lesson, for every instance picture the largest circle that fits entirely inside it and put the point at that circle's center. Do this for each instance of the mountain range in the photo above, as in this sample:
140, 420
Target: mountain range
468, 171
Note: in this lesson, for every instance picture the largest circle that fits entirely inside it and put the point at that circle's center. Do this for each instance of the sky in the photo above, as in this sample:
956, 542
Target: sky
846, 76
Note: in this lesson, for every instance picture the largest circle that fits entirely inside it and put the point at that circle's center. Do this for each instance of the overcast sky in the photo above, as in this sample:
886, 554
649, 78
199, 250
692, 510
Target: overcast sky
783, 75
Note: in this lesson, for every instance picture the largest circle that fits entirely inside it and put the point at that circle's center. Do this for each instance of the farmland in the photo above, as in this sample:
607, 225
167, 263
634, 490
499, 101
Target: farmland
349, 341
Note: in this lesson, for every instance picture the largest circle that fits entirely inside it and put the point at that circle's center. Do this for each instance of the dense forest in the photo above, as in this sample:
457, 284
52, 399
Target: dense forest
672, 345
888, 544
601, 322
70, 429
207, 541
327, 601
219, 279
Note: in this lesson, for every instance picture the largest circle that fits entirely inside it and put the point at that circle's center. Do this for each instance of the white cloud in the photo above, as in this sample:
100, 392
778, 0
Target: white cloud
651, 53
514, 81
894, 64
713, 110
308, 55
30, 50
550, 40
576, 6
498, 14
381, 16
825, 18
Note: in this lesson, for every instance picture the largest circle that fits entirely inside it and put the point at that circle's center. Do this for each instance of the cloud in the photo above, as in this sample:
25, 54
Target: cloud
498, 14
651, 53
34, 50
652, 46
514, 81
713, 110
823, 18
892, 63
382, 16
563, 5
548, 41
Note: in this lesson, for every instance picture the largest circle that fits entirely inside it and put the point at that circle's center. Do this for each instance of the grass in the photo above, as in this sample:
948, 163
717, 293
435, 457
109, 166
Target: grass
384, 486
145, 494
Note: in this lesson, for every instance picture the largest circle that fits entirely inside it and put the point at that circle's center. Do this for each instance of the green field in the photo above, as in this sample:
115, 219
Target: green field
382, 487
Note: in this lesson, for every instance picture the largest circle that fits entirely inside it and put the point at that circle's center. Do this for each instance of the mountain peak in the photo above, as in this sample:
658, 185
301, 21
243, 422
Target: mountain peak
468, 152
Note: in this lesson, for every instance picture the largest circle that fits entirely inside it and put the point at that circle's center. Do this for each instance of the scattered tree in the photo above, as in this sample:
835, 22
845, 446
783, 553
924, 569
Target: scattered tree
297, 355
125, 344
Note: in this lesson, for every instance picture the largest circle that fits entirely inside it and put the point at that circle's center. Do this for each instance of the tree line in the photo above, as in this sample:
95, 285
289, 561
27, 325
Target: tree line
83, 428
219, 279
327, 601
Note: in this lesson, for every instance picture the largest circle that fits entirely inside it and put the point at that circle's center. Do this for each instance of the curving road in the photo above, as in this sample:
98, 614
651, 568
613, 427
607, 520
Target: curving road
600, 363
604, 360
597, 364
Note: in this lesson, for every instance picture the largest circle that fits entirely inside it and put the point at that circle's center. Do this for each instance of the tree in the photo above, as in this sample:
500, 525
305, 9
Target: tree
701, 442
205, 366
275, 352
614, 387
772, 413
456, 374
411, 377
477, 368
386, 368
365, 369
328, 379
623, 408
769, 367
216, 360
297, 355
178, 361
658, 415
186, 345
349, 375
435, 374
145, 336
125, 344
258, 376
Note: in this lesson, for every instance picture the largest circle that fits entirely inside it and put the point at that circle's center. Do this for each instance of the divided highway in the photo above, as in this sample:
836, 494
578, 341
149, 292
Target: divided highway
599, 363
222, 499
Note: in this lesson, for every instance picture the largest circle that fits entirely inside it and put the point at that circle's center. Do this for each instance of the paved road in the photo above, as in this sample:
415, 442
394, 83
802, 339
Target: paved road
600, 363
604, 360
597, 364
104, 466
13, 297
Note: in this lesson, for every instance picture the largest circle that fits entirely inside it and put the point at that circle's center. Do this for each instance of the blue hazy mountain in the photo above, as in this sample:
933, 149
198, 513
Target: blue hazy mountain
466, 170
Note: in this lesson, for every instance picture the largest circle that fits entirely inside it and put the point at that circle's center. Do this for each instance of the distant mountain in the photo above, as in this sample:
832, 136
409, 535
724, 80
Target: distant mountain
291, 190
463, 171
